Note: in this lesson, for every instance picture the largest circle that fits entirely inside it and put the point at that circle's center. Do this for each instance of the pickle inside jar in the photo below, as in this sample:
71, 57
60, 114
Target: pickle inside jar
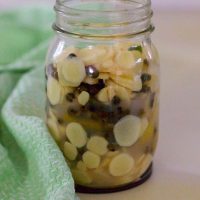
103, 99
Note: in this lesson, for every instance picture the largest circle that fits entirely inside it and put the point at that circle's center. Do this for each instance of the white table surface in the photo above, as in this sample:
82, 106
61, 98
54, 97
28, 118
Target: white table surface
177, 161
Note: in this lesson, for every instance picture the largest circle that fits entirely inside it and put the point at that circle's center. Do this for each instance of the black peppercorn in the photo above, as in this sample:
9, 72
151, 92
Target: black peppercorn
70, 97
72, 111
60, 121
112, 147
82, 108
72, 55
145, 77
91, 71
116, 100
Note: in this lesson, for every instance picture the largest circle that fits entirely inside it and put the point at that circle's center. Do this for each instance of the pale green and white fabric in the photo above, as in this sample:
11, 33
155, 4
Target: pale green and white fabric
31, 165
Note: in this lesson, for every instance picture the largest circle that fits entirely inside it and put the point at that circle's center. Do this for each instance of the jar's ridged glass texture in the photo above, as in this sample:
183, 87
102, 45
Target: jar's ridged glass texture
102, 74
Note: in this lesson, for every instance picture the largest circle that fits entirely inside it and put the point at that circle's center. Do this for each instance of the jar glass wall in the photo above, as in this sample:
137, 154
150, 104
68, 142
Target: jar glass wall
102, 74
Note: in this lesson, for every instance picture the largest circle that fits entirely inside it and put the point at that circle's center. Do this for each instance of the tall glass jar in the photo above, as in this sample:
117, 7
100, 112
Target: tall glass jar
102, 73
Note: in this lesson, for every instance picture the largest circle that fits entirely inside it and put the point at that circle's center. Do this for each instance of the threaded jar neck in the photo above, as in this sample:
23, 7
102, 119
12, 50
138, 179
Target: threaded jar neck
103, 18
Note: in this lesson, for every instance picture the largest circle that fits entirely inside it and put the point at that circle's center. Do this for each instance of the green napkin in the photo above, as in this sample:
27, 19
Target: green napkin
31, 165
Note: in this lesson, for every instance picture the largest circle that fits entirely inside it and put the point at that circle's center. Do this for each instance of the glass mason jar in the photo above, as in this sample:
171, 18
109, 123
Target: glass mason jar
102, 74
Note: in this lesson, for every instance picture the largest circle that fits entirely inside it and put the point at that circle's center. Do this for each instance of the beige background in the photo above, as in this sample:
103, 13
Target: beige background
157, 4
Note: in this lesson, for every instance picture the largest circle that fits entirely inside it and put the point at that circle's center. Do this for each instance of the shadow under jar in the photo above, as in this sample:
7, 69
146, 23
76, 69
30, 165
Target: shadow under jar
102, 75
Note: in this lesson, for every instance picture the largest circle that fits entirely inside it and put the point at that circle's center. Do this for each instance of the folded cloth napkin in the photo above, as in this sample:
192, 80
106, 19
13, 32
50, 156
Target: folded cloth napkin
31, 165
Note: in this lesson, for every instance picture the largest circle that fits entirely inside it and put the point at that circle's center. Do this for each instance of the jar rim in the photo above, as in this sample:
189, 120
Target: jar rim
144, 4
113, 18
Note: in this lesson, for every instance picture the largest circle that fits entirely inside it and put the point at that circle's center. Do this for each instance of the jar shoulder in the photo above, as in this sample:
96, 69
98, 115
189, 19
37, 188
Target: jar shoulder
62, 44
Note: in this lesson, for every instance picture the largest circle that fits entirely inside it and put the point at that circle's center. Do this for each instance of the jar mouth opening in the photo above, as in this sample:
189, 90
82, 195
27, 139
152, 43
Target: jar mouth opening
131, 6
103, 17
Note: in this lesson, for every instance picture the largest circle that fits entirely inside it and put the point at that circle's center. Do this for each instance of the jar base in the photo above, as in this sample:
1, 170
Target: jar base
143, 178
